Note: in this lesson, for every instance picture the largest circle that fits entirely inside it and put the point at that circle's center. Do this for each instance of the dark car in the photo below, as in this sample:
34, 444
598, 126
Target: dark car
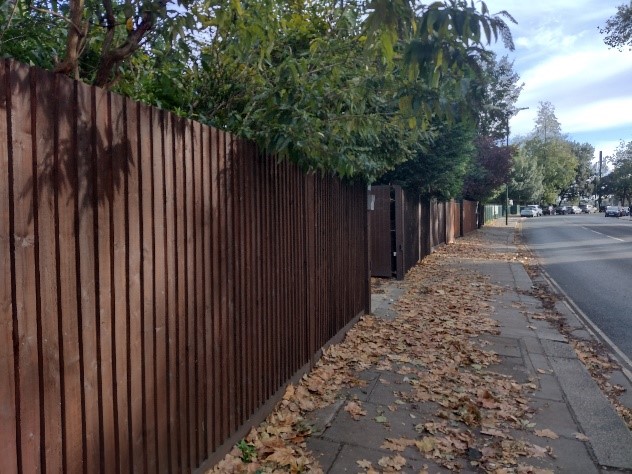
613, 211
548, 210
562, 210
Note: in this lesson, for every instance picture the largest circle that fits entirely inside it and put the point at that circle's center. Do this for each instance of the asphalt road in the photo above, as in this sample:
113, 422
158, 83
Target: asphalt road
590, 258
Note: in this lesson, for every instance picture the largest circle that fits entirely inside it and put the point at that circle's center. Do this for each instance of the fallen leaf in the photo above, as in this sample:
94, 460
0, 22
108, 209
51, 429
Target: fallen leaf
381, 419
395, 462
397, 444
581, 437
364, 464
282, 456
546, 434
426, 444
355, 410
494, 432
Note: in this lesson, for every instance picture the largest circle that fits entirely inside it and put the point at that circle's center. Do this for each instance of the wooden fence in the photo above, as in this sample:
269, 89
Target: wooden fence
161, 281
404, 228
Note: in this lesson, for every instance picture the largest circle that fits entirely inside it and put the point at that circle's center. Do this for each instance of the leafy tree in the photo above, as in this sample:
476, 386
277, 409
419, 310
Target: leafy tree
619, 181
584, 184
618, 29
90, 39
499, 94
438, 171
553, 154
488, 171
353, 88
527, 180
547, 126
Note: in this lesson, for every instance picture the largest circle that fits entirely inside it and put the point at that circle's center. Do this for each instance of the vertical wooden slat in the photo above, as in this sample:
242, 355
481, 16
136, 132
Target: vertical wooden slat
282, 314
189, 304
230, 293
103, 199
208, 375
242, 347
146, 310
249, 217
120, 322
147, 140
86, 157
236, 159
217, 308
135, 360
308, 267
265, 191
171, 274
160, 290
181, 279
257, 254
69, 330
274, 288
199, 331
43, 192
8, 420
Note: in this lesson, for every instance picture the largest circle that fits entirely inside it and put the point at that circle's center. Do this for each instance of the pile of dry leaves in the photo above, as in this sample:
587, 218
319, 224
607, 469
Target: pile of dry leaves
434, 344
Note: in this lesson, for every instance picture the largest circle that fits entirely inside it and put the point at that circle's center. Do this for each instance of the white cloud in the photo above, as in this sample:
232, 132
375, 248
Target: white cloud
561, 58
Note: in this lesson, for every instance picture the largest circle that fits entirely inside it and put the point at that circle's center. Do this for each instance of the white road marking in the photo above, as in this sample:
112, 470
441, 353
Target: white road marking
606, 235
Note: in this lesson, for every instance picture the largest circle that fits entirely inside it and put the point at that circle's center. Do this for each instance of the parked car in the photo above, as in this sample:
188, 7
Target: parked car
613, 211
536, 208
548, 210
625, 211
528, 212
562, 210
588, 208
575, 210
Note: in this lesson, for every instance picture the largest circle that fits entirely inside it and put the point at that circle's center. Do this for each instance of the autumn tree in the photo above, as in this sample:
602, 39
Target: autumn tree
618, 29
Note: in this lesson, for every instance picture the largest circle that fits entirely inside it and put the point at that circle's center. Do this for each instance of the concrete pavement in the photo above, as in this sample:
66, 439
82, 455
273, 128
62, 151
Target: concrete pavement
565, 399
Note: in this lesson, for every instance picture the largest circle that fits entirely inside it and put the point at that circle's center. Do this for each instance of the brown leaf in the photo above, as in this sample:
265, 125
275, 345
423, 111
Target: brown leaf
397, 444
426, 444
581, 437
546, 434
396, 462
283, 457
355, 410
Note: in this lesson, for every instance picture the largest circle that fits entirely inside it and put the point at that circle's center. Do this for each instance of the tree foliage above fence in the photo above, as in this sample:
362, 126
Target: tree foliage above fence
351, 87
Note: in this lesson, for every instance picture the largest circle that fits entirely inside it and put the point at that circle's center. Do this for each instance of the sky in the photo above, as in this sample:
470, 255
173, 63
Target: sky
561, 58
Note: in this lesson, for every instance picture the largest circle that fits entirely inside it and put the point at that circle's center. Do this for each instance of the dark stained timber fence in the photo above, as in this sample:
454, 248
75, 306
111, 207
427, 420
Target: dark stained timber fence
161, 280
404, 228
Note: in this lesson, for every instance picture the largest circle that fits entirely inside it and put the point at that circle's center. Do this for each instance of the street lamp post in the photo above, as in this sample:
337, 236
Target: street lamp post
513, 112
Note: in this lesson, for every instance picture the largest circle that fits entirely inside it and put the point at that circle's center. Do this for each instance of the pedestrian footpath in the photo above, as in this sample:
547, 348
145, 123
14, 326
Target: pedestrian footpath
511, 397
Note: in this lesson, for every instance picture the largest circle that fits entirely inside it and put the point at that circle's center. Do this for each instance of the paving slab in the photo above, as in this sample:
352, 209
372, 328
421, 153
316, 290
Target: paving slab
610, 438
565, 399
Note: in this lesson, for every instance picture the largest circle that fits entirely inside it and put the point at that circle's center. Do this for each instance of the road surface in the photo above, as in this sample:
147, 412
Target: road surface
590, 257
